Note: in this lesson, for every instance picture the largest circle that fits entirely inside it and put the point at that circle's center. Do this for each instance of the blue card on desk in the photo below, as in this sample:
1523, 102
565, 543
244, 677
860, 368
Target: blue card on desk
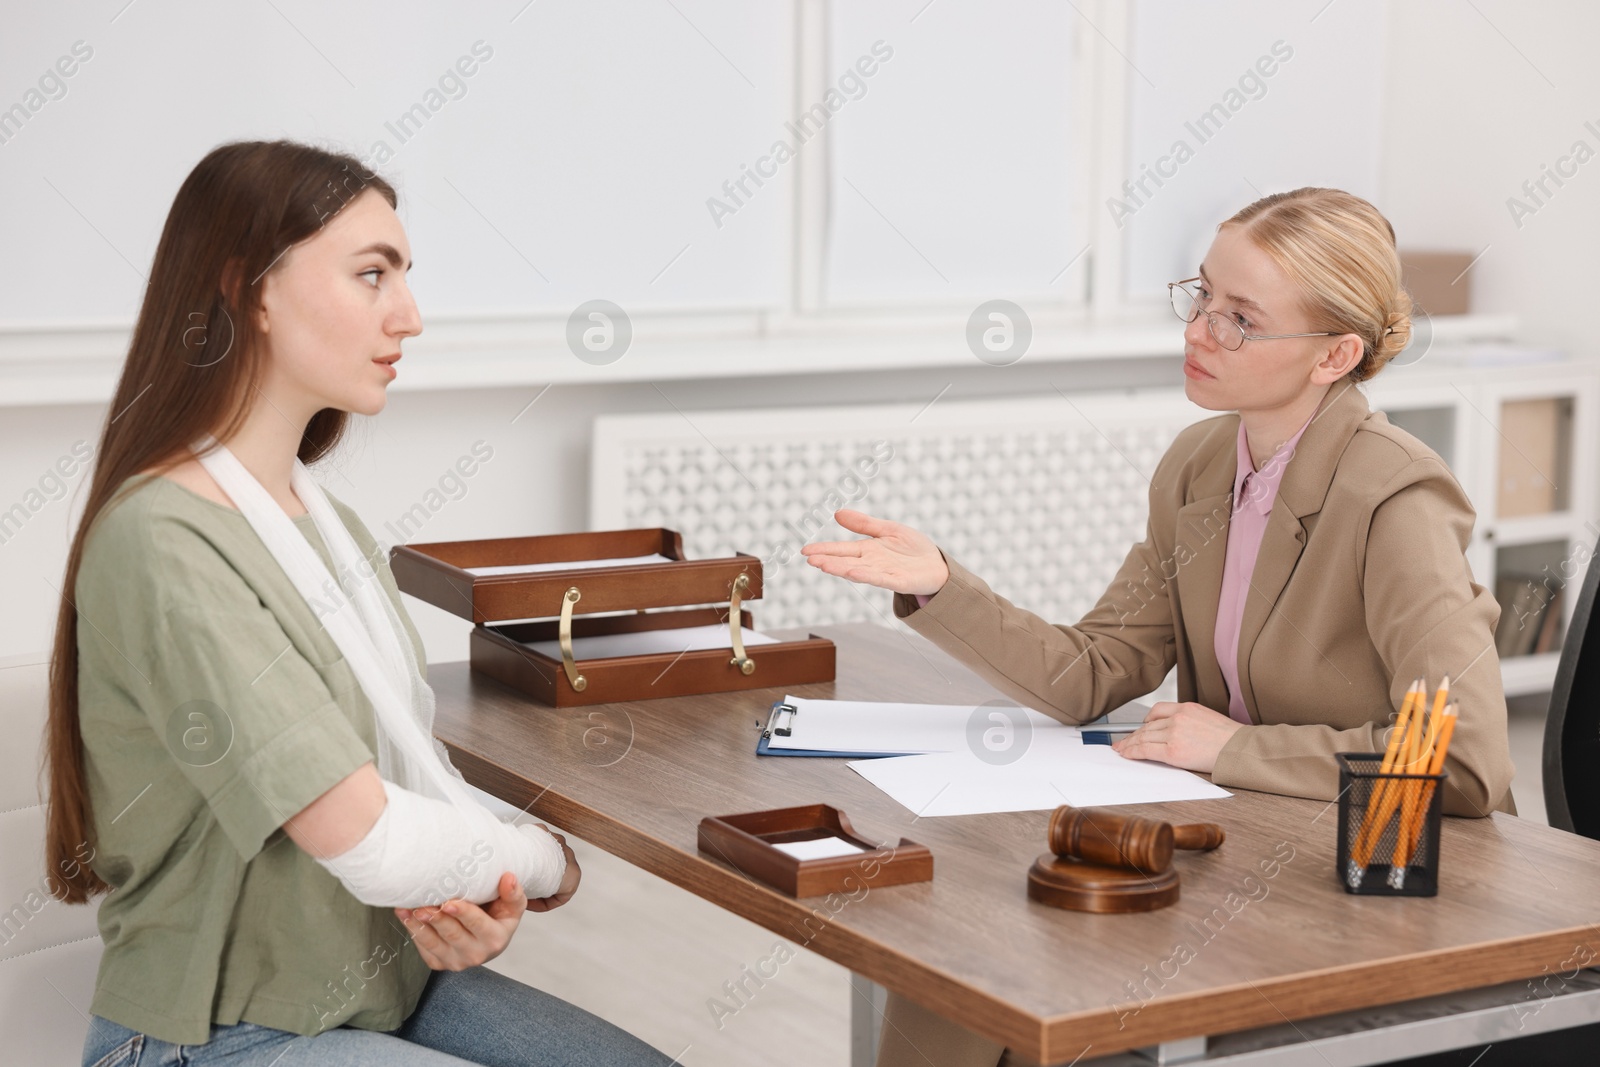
1107, 732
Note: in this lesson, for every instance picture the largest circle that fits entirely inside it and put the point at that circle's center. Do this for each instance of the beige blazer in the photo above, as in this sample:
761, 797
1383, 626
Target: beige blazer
1360, 587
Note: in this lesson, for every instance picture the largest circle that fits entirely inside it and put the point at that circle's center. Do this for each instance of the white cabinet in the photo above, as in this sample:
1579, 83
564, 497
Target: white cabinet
1523, 440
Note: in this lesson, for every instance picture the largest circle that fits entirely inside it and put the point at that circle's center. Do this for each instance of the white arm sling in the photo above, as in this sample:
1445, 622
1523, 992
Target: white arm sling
433, 841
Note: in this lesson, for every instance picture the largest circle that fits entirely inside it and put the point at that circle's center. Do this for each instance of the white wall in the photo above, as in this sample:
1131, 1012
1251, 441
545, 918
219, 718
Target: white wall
1233, 103
1481, 97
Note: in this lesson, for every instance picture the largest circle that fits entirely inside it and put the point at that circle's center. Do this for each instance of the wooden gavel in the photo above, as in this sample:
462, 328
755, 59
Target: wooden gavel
1128, 841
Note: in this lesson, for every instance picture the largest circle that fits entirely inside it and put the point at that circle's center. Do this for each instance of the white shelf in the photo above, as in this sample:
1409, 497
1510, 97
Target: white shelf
75, 362
1529, 674
1531, 529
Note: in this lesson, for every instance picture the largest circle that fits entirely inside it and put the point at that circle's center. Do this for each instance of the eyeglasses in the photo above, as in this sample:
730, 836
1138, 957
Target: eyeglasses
1229, 334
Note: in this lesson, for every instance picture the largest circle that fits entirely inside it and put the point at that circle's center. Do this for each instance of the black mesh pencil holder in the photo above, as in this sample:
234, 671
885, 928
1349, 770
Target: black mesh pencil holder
1381, 851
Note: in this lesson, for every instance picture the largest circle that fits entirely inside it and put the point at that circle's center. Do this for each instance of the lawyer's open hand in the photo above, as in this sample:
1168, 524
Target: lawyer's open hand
893, 556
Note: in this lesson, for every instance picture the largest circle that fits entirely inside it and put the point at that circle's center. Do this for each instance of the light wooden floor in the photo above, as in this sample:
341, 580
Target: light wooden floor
651, 957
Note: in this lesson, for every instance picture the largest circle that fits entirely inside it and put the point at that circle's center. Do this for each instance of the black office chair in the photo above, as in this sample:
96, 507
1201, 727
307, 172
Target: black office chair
1572, 730
1572, 803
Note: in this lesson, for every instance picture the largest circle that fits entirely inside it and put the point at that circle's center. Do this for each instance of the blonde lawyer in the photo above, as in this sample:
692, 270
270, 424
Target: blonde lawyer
1303, 564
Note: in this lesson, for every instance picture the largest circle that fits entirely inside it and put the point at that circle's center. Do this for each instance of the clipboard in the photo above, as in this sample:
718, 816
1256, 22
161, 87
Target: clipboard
776, 726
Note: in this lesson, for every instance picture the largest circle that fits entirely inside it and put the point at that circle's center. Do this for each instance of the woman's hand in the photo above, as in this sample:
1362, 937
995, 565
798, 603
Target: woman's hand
1182, 735
459, 934
569, 880
894, 557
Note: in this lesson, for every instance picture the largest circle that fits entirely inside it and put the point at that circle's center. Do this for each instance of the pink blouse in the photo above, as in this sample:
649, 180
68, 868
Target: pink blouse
1253, 494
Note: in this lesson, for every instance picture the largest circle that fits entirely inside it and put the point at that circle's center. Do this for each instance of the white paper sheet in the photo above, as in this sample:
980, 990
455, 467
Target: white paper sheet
819, 849
568, 565
1057, 768
865, 726
648, 642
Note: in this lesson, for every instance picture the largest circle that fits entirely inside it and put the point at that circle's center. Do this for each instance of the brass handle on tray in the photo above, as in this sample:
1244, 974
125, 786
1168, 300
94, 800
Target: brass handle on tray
579, 682
741, 586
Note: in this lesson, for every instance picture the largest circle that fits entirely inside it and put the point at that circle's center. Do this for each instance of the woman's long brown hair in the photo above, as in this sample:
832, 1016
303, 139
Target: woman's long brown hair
194, 366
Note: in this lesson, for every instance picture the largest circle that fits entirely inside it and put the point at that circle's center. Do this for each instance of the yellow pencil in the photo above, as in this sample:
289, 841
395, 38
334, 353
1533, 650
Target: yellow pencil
1391, 755
1389, 792
1418, 761
1433, 720
1362, 850
1400, 791
1440, 750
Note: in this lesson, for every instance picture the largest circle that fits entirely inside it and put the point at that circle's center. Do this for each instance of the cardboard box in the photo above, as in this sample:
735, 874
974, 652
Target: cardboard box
1534, 438
1428, 277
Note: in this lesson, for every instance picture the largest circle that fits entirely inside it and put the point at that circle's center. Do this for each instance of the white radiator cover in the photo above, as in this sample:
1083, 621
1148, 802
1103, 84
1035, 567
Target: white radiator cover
1041, 496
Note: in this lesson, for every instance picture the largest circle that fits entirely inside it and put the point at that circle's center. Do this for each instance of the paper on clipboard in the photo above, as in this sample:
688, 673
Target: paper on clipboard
858, 727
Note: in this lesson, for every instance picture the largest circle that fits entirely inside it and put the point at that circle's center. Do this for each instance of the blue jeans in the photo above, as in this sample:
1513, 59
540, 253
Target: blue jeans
475, 1016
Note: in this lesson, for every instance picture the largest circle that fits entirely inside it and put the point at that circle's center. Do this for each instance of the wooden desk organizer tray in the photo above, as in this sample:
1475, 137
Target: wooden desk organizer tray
751, 843
527, 596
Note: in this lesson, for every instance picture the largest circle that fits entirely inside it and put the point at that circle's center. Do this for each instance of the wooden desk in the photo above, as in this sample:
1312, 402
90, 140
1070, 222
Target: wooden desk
1517, 899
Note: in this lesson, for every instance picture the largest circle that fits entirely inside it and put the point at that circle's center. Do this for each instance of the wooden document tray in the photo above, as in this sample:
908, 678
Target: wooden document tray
746, 842
510, 609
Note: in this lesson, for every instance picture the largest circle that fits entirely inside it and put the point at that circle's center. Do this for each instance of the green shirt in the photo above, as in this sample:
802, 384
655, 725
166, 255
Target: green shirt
213, 707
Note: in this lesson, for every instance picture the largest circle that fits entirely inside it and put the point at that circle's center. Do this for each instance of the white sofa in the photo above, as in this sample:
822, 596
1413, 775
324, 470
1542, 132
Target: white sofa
49, 951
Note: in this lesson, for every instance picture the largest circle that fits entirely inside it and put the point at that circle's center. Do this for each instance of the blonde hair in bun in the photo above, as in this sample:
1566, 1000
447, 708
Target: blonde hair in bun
1340, 251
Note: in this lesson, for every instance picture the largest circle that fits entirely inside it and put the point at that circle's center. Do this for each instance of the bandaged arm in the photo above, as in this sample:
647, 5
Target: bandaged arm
424, 851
